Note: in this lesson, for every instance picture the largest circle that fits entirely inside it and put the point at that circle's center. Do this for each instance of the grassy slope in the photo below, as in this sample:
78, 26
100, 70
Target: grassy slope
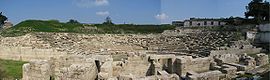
133, 29
39, 26
56, 26
13, 69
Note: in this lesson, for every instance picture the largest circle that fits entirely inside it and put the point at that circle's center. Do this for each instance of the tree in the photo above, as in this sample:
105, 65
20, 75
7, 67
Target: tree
258, 9
72, 21
108, 21
2, 19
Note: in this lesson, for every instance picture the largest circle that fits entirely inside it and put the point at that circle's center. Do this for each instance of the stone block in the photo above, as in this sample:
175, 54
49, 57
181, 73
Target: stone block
106, 70
226, 58
184, 64
36, 70
230, 71
210, 75
86, 71
261, 59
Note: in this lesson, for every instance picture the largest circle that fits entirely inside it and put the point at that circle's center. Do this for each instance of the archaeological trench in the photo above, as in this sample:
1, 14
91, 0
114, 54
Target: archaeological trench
173, 55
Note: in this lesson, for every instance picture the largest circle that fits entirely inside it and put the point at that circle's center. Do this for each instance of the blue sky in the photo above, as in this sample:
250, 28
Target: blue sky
185, 9
121, 11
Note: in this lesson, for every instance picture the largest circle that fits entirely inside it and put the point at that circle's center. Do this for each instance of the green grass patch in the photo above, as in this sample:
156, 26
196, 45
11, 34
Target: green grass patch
133, 29
40, 26
11, 68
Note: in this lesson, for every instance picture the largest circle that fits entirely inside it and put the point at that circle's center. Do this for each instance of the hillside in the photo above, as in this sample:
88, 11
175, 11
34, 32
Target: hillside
29, 26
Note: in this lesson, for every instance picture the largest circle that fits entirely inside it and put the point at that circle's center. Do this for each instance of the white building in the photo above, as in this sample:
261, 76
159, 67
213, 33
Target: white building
7, 24
178, 23
203, 22
261, 36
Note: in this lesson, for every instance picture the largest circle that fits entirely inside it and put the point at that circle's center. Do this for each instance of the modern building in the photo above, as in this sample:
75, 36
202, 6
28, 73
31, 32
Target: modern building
203, 22
7, 24
178, 23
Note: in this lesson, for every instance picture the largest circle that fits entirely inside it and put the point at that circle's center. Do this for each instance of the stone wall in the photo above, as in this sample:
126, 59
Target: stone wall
183, 64
211, 75
27, 53
236, 51
141, 66
226, 58
137, 66
37, 70
63, 68
85, 71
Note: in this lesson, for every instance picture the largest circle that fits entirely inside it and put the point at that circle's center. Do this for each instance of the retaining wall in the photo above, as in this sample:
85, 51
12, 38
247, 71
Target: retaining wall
27, 53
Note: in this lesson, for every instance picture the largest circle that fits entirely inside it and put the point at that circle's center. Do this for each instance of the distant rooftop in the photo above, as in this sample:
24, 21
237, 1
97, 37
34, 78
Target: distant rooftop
205, 19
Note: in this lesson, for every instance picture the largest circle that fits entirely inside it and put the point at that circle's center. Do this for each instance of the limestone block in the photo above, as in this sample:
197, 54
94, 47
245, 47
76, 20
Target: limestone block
184, 64
249, 62
227, 58
238, 66
161, 77
192, 77
219, 61
230, 71
213, 65
117, 67
114, 78
210, 75
126, 77
103, 76
85, 71
107, 68
261, 59
36, 70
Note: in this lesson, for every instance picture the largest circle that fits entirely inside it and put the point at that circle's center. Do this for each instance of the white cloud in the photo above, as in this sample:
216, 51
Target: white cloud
161, 16
101, 2
103, 13
90, 3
